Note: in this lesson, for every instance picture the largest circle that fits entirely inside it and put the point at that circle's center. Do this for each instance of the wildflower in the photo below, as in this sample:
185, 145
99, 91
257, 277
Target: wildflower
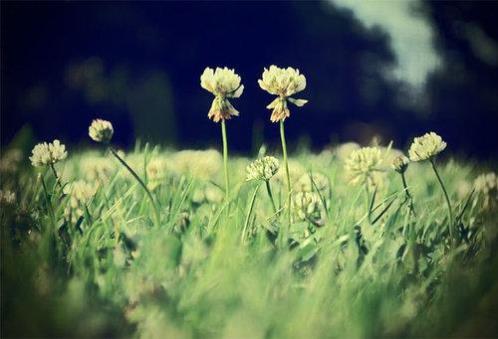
312, 182
7, 197
223, 83
101, 130
97, 168
80, 193
426, 147
284, 83
487, 186
262, 169
362, 164
305, 205
343, 151
47, 154
400, 164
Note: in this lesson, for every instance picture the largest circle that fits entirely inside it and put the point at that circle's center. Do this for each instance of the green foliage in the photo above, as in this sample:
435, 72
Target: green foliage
113, 271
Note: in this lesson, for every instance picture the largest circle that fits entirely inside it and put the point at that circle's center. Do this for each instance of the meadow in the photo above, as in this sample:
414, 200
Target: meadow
351, 242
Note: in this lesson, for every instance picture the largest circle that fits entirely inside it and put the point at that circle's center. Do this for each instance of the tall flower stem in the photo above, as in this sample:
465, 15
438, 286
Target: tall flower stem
407, 193
140, 181
225, 158
57, 180
286, 163
268, 190
450, 211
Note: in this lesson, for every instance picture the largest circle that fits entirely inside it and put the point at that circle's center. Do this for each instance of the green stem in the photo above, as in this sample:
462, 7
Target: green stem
49, 203
57, 180
225, 158
450, 211
286, 163
248, 216
268, 189
408, 195
135, 175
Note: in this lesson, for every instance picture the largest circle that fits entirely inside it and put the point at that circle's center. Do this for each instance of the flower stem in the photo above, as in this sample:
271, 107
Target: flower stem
57, 180
286, 163
140, 181
268, 189
225, 158
450, 211
408, 195
249, 211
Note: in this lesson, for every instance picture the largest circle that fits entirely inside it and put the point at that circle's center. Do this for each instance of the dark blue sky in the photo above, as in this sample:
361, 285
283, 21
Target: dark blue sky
138, 64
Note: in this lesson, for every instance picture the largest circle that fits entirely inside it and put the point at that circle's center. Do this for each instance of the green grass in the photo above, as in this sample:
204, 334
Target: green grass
108, 269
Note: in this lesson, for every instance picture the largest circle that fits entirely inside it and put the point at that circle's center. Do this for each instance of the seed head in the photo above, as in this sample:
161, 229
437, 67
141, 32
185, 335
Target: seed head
223, 83
400, 163
426, 147
101, 130
362, 164
282, 82
262, 169
45, 154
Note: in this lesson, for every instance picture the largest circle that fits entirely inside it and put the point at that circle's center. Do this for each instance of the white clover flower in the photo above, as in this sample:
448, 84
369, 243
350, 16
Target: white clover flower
283, 82
362, 164
305, 204
97, 168
321, 182
45, 154
223, 83
486, 185
7, 198
426, 147
400, 163
10, 161
80, 193
262, 169
101, 130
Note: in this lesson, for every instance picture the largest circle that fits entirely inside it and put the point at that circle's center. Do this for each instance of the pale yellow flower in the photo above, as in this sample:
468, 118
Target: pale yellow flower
400, 163
283, 82
362, 164
305, 204
262, 169
101, 130
426, 147
223, 83
45, 154
80, 194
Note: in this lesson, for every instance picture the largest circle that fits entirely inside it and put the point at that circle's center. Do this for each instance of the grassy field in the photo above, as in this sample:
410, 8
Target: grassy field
84, 255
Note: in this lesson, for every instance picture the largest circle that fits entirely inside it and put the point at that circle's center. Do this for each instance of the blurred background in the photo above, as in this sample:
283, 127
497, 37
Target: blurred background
386, 69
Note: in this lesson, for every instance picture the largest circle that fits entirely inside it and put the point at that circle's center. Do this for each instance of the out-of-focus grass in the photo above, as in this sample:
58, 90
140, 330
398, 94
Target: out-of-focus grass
104, 269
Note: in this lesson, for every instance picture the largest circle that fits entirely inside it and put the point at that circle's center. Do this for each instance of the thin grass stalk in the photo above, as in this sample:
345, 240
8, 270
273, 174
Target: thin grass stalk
270, 194
135, 175
249, 212
408, 195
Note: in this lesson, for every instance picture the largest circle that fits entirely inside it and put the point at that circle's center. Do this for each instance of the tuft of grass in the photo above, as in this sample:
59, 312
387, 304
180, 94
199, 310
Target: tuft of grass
113, 273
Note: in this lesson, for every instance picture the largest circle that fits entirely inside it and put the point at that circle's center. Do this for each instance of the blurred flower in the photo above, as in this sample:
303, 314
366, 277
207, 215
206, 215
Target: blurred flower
156, 172
343, 151
486, 185
426, 147
284, 83
223, 83
96, 168
80, 193
48, 153
305, 204
101, 130
362, 163
262, 169
10, 161
400, 164
7, 197
200, 164
320, 183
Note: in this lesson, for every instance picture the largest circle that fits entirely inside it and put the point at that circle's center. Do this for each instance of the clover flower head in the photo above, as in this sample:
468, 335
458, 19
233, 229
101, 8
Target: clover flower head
7, 197
426, 147
45, 154
283, 82
262, 169
400, 163
223, 83
362, 164
305, 204
80, 193
101, 130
